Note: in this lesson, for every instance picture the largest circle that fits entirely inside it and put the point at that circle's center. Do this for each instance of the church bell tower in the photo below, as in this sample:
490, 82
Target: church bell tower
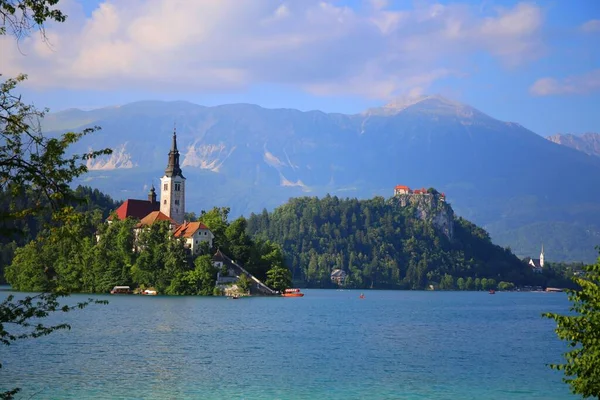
172, 186
542, 257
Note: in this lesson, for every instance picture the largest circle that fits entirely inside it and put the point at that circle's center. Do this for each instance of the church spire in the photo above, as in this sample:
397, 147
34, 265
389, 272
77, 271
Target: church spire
173, 168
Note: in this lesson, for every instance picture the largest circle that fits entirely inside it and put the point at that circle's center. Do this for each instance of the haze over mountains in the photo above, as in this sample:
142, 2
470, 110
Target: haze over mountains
522, 188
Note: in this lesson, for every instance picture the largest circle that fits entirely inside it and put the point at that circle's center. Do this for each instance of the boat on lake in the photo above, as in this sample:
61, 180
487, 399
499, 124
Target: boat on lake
149, 292
492, 291
121, 290
292, 293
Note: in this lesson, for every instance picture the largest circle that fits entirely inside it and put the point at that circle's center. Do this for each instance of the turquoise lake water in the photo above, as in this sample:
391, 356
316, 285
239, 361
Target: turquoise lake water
326, 345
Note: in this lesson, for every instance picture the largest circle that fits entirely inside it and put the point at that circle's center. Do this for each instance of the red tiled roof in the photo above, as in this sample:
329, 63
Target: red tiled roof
402, 187
153, 217
187, 229
137, 209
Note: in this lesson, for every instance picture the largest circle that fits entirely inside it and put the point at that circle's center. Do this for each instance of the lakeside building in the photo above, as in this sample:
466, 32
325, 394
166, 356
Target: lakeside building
170, 208
338, 276
194, 233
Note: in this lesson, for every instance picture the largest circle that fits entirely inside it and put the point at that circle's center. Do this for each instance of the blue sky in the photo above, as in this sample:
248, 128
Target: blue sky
536, 63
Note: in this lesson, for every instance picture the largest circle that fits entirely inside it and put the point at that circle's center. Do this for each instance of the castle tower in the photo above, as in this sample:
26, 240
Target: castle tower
172, 191
542, 257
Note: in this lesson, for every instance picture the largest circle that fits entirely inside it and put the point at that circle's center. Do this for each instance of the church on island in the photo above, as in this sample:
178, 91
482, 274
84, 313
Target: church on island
171, 206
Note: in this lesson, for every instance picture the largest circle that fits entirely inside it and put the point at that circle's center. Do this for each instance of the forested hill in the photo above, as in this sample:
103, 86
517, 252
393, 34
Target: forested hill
404, 242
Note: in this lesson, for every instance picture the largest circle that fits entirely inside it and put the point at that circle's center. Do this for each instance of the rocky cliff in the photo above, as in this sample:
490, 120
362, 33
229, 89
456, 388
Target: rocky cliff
429, 207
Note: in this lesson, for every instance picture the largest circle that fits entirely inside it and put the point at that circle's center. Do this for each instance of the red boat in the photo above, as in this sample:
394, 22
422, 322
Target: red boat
492, 291
292, 293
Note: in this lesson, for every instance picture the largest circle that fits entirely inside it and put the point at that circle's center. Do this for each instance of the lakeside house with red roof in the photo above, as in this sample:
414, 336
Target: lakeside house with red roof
194, 233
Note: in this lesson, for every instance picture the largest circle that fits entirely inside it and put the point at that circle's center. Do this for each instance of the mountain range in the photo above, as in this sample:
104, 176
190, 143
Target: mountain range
588, 143
525, 190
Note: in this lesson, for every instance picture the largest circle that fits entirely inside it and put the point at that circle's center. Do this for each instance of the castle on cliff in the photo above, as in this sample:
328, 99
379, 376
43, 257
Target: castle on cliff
402, 189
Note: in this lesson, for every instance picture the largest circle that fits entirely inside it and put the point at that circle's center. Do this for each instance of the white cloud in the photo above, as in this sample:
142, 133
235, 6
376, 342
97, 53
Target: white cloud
591, 26
316, 45
576, 84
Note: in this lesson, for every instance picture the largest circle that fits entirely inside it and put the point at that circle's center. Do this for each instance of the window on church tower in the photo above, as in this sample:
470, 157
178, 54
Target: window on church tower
176, 202
177, 187
165, 201
166, 187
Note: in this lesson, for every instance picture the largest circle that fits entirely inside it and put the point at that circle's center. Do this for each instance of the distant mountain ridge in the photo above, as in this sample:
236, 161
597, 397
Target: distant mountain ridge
522, 188
588, 143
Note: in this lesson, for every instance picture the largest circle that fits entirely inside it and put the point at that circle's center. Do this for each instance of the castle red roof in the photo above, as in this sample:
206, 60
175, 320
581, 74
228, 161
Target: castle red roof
137, 209
187, 229
402, 187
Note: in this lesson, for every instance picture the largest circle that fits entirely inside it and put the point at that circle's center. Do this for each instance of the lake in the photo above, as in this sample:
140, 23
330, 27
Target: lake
329, 344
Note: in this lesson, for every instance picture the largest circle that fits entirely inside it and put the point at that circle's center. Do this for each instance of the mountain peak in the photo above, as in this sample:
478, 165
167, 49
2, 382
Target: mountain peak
435, 104
401, 103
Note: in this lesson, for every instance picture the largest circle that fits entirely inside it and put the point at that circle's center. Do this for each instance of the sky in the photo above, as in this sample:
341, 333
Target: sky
535, 63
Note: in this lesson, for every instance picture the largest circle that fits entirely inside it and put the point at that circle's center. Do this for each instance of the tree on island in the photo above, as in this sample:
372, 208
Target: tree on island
199, 281
29, 161
279, 278
581, 330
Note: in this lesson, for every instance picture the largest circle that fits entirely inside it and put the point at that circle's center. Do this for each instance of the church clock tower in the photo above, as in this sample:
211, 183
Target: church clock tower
172, 186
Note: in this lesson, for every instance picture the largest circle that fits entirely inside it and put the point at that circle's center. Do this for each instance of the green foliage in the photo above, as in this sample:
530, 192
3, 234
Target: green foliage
255, 255
506, 286
216, 221
581, 330
199, 281
244, 283
28, 159
19, 232
35, 173
263, 256
78, 252
382, 244
190, 217
68, 256
237, 242
160, 257
279, 278
22, 16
